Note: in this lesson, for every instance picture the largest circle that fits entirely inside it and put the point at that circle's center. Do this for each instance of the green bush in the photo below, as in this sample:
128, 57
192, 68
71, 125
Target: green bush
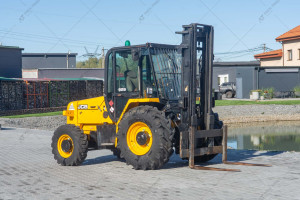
268, 93
297, 89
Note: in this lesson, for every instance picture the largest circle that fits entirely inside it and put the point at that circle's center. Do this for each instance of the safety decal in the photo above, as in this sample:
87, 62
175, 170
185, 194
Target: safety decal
112, 109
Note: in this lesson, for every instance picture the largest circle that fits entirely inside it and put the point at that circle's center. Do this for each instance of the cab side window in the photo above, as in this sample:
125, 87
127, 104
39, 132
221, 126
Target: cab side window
110, 77
147, 77
127, 79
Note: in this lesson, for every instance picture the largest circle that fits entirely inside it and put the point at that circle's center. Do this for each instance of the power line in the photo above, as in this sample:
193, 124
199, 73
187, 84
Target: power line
241, 53
49, 38
259, 48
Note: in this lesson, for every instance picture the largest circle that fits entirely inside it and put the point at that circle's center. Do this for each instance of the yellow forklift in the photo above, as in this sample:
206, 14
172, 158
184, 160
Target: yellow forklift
157, 98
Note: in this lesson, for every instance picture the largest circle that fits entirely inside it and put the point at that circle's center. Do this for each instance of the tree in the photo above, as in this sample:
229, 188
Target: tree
92, 62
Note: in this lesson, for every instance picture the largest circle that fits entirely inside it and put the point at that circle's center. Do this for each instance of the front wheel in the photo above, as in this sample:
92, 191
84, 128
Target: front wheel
69, 145
145, 138
229, 94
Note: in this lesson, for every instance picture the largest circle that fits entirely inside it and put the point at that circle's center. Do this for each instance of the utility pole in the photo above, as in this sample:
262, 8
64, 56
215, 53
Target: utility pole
103, 57
264, 45
68, 59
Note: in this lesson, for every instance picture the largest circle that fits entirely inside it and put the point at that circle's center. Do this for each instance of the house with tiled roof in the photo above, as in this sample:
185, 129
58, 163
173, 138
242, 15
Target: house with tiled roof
289, 55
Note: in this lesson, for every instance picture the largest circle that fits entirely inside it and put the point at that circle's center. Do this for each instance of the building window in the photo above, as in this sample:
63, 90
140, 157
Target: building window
299, 54
290, 54
223, 78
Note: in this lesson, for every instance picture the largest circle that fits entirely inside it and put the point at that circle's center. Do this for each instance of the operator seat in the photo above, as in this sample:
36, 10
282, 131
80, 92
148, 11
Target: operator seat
132, 83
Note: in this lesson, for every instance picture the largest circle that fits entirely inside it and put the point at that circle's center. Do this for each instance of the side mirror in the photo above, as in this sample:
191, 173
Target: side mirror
135, 54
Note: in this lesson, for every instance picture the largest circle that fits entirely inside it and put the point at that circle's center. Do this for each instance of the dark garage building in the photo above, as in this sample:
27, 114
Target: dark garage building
48, 60
10, 62
51, 65
250, 76
92, 73
243, 73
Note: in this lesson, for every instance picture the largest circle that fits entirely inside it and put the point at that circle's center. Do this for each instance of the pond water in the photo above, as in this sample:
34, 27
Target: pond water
275, 136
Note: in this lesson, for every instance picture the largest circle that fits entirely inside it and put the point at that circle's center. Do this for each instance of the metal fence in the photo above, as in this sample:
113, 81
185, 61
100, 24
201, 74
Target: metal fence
19, 94
36, 94
59, 93
11, 95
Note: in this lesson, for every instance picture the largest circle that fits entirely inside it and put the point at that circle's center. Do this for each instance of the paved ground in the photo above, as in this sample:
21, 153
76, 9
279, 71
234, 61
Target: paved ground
28, 171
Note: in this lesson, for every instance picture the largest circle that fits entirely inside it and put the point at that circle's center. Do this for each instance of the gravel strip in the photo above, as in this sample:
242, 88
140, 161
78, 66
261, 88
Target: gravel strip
42, 123
258, 113
228, 114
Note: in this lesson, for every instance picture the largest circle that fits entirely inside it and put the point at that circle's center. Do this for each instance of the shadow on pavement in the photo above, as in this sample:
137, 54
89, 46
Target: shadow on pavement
7, 129
176, 162
246, 155
101, 160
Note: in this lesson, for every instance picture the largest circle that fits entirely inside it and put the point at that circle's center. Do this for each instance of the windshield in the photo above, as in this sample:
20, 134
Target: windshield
167, 67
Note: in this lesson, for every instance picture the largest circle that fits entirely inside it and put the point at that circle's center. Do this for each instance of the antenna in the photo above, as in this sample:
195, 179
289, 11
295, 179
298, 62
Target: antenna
91, 55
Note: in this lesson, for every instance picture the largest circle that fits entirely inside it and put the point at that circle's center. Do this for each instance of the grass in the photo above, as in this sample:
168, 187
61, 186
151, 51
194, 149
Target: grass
34, 115
238, 102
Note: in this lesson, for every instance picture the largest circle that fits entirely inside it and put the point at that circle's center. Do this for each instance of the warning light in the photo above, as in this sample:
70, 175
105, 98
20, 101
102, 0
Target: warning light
127, 43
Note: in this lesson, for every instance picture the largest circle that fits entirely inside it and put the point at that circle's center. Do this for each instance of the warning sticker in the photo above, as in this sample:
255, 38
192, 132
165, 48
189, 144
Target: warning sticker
112, 109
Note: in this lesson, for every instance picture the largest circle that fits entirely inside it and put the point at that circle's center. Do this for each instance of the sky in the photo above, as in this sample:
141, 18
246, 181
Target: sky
61, 26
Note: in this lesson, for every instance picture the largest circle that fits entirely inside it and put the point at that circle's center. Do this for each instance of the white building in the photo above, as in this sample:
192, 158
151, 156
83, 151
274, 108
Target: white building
289, 55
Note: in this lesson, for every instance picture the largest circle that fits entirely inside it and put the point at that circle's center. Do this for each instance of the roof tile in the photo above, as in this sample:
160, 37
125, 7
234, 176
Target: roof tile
290, 35
270, 54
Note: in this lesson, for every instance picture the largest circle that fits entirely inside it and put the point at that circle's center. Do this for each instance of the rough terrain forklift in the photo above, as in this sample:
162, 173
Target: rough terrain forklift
156, 98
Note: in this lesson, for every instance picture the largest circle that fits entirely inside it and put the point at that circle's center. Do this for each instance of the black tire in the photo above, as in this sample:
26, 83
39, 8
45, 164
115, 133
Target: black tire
218, 124
218, 140
79, 145
162, 136
229, 94
116, 152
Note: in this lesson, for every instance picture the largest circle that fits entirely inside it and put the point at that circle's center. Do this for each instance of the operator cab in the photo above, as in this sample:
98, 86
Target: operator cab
141, 71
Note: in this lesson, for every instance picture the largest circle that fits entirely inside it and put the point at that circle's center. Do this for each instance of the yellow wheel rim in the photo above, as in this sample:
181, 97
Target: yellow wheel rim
65, 153
139, 138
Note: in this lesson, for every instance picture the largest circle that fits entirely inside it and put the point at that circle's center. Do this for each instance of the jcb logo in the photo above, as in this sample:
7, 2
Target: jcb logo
82, 107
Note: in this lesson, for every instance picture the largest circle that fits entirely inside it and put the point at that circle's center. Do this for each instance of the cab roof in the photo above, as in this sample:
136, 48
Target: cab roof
147, 45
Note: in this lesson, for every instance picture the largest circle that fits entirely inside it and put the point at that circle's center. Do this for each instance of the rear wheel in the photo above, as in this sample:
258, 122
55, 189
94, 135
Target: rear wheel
69, 145
229, 94
145, 138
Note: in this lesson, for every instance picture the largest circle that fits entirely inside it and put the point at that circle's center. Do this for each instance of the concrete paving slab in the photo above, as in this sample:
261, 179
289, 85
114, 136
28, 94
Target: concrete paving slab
28, 171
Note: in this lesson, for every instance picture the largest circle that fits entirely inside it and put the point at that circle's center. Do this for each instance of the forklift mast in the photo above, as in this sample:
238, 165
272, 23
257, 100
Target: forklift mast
197, 119
196, 88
